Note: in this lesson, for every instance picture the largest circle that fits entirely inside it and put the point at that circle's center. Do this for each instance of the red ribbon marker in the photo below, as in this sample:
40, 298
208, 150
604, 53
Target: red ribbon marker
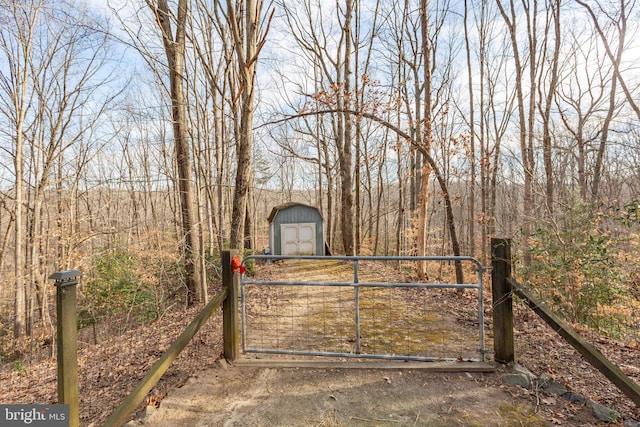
236, 265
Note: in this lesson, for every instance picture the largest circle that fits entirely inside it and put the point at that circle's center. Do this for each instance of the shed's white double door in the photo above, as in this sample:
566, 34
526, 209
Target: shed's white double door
298, 239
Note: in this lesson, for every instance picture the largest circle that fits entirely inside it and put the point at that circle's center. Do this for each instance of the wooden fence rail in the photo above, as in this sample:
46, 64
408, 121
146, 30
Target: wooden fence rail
227, 297
122, 413
504, 286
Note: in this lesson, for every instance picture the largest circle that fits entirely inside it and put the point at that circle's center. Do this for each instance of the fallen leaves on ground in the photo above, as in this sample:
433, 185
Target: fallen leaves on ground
109, 371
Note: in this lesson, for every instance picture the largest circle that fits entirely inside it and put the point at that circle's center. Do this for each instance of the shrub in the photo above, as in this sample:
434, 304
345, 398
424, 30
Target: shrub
573, 265
114, 287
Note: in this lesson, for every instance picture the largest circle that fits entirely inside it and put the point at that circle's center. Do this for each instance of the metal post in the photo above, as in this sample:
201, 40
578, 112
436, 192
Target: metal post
482, 351
67, 341
356, 290
502, 300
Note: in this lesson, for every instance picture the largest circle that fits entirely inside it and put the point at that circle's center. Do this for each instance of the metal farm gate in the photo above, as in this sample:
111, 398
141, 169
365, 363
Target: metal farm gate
361, 307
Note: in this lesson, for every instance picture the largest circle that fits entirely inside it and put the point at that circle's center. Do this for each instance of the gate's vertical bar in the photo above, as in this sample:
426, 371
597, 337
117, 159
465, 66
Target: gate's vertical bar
357, 304
67, 342
243, 317
481, 310
502, 300
230, 330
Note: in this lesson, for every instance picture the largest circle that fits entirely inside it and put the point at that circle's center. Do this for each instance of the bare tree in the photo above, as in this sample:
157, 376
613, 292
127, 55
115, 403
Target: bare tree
546, 99
329, 50
496, 115
472, 128
361, 85
57, 61
526, 108
489, 113
17, 43
211, 85
244, 24
344, 140
175, 45
588, 103
619, 22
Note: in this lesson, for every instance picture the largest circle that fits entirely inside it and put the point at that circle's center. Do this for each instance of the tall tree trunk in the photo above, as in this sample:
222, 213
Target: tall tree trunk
20, 319
426, 139
246, 49
344, 139
175, 52
525, 120
546, 114
22, 71
401, 191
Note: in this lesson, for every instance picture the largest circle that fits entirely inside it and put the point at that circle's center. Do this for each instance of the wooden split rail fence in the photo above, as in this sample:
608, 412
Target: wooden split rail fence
66, 282
504, 286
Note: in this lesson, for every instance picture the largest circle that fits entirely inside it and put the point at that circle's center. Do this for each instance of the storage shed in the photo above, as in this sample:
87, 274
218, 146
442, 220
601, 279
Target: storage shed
296, 229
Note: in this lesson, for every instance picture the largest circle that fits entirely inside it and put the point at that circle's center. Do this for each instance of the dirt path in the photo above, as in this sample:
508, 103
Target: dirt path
251, 396
410, 394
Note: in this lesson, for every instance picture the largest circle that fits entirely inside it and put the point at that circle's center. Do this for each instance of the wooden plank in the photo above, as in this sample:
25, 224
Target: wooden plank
122, 413
328, 364
502, 301
230, 316
589, 352
67, 341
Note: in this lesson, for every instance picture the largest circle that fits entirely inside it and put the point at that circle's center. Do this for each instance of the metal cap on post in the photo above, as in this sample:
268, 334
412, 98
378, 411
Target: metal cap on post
66, 278
67, 341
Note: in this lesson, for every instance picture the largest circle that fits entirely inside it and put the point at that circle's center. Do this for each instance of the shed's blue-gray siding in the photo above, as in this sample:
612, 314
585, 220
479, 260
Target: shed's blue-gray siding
296, 214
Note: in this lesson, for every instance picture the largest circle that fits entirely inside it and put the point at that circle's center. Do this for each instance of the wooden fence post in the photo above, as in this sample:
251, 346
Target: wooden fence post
230, 326
502, 300
67, 342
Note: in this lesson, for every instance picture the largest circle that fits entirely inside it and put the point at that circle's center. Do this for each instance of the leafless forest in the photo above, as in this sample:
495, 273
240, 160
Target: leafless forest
138, 139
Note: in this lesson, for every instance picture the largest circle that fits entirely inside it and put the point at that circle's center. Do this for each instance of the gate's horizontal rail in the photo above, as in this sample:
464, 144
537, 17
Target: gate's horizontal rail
354, 355
369, 258
366, 284
436, 366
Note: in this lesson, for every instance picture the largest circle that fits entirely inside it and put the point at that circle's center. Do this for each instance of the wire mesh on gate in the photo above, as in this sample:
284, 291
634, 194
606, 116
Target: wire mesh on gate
335, 306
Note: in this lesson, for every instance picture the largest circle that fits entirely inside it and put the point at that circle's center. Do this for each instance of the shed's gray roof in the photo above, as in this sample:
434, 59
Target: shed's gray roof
275, 210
